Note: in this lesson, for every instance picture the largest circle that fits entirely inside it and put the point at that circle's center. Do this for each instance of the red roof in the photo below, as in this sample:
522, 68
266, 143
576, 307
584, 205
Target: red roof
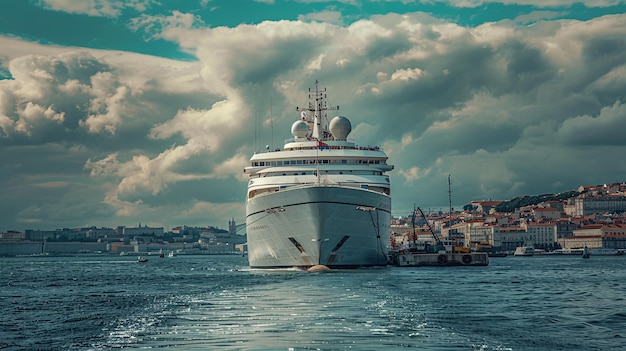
541, 224
487, 203
592, 226
584, 236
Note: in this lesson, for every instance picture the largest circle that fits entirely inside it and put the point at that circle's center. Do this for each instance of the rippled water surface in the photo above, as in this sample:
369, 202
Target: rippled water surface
217, 303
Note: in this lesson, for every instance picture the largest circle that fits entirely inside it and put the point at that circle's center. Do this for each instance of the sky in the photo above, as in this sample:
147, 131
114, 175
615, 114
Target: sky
146, 111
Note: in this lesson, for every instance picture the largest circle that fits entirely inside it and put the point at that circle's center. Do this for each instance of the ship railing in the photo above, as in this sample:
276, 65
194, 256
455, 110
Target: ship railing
322, 182
294, 140
327, 182
337, 147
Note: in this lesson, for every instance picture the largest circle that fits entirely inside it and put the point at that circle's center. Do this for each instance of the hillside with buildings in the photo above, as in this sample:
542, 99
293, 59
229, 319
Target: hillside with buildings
124, 240
592, 216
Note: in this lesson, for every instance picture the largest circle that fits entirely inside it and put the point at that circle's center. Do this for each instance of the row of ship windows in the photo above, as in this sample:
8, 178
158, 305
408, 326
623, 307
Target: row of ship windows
274, 174
312, 162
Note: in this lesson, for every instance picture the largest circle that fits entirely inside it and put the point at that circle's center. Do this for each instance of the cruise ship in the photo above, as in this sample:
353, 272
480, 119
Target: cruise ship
320, 201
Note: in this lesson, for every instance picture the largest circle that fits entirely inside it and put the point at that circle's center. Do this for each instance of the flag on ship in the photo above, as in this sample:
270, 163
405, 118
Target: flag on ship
322, 145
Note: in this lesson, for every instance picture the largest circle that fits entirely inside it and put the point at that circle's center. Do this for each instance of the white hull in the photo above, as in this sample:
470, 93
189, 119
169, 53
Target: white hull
289, 227
606, 252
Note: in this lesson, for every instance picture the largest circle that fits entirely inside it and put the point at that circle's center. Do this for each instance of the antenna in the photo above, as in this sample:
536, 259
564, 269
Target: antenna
317, 164
272, 123
450, 203
414, 237
318, 110
256, 124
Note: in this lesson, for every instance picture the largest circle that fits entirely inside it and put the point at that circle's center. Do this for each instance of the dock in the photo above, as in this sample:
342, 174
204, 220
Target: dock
418, 254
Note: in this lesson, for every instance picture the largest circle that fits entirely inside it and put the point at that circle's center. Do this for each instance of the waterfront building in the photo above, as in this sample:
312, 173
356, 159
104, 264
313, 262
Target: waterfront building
154, 247
606, 236
97, 233
14, 248
27, 247
73, 247
478, 232
145, 230
40, 235
509, 238
565, 227
543, 235
12, 235
213, 237
584, 206
119, 247
67, 234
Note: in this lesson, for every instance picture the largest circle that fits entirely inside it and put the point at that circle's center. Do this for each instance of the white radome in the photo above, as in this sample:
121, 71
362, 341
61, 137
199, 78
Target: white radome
299, 129
340, 127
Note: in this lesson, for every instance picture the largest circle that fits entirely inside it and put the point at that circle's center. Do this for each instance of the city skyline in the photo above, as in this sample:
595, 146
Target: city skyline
117, 113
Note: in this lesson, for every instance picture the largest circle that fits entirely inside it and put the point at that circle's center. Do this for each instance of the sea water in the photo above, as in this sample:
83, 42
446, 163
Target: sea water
204, 302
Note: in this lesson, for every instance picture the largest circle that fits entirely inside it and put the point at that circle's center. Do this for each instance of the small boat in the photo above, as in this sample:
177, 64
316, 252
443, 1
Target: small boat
142, 259
598, 251
586, 252
567, 252
524, 251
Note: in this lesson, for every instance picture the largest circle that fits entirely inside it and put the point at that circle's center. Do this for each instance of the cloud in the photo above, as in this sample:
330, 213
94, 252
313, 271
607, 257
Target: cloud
96, 8
605, 129
504, 109
537, 3
62, 88
413, 174
406, 74
334, 17
205, 128
166, 27
61, 99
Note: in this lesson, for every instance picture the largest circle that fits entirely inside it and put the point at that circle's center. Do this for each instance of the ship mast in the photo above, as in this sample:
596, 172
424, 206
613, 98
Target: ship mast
318, 108
450, 203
